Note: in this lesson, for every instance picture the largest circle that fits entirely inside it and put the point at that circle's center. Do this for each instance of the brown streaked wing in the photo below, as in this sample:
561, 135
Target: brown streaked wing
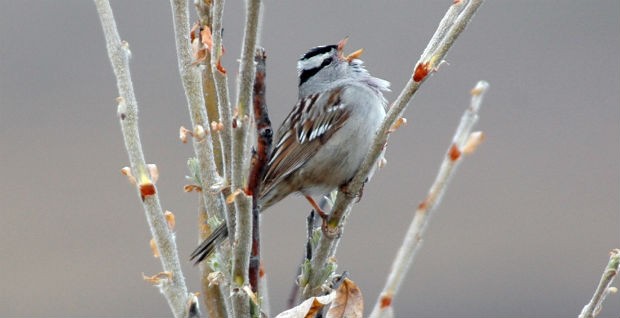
296, 144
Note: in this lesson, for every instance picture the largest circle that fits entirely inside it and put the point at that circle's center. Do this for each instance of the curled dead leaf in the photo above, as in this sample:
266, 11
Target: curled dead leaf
309, 308
126, 171
192, 32
348, 301
231, 198
206, 38
170, 219
219, 67
184, 134
154, 248
402, 121
157, 278
192, 188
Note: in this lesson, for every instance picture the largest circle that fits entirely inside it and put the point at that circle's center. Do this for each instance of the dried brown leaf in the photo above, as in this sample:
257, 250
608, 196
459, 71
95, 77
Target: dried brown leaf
399, 123
231, 197
157, 278
348, 301
219, 66
154, 248
206, 37
309, 308
170, 219
198, 50
184, 134
126, 171
191, 188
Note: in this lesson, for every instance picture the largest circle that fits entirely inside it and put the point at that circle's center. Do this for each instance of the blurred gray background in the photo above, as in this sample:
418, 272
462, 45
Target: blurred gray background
523, 231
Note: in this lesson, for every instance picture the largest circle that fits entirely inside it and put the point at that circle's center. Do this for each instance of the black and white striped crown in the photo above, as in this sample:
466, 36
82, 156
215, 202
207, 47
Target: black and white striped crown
314, 60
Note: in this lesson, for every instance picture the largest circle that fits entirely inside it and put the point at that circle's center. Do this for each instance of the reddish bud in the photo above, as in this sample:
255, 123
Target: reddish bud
454, 153
386, 301
147, 189
421, 71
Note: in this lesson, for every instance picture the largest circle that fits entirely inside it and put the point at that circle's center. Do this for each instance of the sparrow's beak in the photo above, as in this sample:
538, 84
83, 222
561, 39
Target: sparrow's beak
342, 43
354, 55
351, 56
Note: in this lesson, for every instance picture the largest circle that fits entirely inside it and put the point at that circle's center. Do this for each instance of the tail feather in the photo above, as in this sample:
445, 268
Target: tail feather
208, 245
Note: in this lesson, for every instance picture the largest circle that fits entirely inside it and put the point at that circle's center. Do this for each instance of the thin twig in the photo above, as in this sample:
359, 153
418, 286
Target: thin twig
457, 17
593, 308
192, 84
203, 8
223, 101
240, 298
417, 228
243, 203
212, 294
220, 81
244, 94
173, 287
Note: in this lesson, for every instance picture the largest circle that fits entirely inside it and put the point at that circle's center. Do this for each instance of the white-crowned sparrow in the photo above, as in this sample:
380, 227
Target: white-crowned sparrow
322, 142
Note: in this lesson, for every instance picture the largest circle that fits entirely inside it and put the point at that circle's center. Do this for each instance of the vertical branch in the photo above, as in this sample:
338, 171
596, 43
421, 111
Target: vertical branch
221, 88
455, 20
203, 8
244, 91
218, 111
243, 203
173, 286
192, 84
593, 308
220, 82
264, 135
463, 142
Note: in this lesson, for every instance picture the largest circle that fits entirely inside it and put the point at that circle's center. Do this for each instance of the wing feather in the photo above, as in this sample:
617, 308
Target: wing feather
312, 122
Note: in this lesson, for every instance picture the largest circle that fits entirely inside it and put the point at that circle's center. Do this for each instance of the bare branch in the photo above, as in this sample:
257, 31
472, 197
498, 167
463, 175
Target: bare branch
241, 293
192, 84
593, 308
453, 23
414, 235
241, 259
220, 81
173, 286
